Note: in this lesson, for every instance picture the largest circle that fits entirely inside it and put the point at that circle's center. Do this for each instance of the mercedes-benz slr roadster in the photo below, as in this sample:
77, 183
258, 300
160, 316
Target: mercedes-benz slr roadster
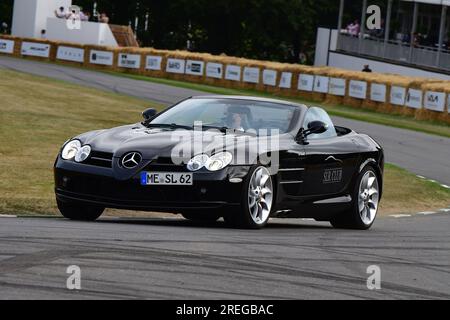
242, 159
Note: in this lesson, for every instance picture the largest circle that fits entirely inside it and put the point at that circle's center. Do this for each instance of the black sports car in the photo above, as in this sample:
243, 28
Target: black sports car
241, 158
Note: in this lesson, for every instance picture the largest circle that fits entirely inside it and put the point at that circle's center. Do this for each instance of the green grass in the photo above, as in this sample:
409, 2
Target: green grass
405, 193
399, 121
37, 115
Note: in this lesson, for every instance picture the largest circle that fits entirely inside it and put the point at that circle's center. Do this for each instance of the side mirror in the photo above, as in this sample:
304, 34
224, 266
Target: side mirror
316, 127
149, 114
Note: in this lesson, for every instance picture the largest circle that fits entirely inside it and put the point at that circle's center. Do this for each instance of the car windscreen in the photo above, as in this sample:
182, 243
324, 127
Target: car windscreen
261, 118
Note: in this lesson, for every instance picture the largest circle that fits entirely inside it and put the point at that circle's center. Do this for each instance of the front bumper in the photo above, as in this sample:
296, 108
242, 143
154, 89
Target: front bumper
93, 185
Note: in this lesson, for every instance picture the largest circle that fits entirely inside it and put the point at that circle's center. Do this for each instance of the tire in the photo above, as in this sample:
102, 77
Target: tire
201, 217
257, 201
78, 212
365, 206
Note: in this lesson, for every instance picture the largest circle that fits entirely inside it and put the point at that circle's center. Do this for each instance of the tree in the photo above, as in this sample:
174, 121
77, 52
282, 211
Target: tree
262, 29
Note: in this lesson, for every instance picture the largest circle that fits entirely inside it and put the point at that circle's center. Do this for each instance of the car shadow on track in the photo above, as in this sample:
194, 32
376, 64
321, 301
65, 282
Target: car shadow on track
212, 225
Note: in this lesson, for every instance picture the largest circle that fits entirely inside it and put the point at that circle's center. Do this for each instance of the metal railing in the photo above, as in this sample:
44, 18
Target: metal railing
396, 51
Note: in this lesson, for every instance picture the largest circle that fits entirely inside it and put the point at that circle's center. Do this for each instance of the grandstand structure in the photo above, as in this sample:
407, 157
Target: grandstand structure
414, 39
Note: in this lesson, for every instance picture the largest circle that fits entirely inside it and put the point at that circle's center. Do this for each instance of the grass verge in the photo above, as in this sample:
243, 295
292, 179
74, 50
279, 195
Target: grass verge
38, 114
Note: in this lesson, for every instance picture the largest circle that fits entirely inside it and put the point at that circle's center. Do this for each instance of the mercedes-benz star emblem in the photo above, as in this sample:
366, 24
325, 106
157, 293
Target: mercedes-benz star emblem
131, 160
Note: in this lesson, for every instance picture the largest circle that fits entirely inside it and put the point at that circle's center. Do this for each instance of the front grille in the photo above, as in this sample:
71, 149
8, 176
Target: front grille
100, 159
165, 164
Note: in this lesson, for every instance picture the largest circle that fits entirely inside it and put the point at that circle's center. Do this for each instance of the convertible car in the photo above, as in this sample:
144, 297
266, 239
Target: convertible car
243, 159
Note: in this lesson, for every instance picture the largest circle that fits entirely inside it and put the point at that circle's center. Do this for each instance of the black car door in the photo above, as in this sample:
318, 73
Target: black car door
330, 160
329, 165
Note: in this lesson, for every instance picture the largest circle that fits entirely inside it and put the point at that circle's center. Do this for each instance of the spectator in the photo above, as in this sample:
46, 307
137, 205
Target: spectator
354, 28
4, 28
366, 68
74, 15
85, 16
103, 18
61, 13
43, 34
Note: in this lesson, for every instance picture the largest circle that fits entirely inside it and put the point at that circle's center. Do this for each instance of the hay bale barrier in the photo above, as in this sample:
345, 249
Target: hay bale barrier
424, 99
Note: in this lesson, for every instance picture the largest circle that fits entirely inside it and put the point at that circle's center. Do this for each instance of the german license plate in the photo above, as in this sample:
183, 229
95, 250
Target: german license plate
167, 179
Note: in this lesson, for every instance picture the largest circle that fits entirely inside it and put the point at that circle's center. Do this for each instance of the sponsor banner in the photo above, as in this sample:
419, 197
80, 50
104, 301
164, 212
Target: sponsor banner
337, 86
251, 75
358, 89
70, 54
435, 101
286, 80
131, 61
233, 73
448, 103
414, 99
270, 77
153, 63
35, 49
101, 57
305, 82
175, 65
195, 68
321, 84
214, 70
398, 95
378, 92
6, 46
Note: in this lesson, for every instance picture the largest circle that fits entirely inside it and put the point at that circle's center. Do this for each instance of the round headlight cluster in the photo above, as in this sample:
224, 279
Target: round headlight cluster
215, 163
74, 150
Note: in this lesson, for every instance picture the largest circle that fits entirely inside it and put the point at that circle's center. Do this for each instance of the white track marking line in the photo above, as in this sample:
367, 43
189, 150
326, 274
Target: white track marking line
445, 210
7, 216
397, 216
426, 213
433, 181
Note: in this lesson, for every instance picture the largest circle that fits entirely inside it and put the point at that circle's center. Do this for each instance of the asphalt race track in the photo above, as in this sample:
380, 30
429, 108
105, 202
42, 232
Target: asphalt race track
177, 259
423, 154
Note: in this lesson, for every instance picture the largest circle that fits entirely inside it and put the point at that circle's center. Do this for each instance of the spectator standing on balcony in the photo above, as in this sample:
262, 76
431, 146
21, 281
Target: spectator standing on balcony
61, 13
354, 28
86, 16
103, 18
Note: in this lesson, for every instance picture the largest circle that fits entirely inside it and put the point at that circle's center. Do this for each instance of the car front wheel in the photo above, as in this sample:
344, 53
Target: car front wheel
365, 205
79, 212
257, 201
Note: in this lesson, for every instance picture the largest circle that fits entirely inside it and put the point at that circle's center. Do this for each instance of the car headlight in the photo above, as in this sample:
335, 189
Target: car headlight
219, 161
197, 162
83, 154
71, 149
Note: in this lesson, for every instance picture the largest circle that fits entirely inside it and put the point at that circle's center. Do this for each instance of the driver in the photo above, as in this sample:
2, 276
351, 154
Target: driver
237, 118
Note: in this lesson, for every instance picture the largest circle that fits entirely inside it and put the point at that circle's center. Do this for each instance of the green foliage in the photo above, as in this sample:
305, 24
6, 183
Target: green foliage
263, 29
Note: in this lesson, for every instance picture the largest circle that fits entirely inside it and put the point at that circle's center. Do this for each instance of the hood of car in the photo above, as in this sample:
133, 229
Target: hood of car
152, 143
